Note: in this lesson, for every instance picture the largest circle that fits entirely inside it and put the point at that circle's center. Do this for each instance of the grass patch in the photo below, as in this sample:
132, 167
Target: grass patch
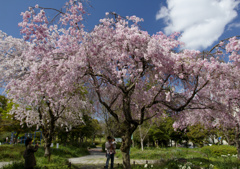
162, 153
11, 152
180, 158
59, 157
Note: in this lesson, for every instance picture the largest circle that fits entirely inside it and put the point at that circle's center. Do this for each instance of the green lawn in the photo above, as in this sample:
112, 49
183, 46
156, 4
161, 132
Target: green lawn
58, 158
186, 158
163, 153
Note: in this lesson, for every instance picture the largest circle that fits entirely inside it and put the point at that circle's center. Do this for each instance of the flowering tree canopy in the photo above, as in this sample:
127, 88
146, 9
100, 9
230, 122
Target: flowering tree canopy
38, 71
133, 74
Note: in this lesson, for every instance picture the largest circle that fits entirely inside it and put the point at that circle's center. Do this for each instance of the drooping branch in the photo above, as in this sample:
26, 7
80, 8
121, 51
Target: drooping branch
101, 100
218, 45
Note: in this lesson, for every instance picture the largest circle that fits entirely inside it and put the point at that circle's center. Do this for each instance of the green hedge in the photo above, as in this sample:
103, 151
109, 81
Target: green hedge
218, 150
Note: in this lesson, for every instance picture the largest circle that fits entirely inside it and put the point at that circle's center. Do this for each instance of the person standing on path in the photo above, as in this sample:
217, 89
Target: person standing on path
30, 161
110, 148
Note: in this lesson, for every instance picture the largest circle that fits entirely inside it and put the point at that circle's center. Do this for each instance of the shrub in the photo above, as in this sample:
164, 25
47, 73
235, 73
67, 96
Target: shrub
216, 150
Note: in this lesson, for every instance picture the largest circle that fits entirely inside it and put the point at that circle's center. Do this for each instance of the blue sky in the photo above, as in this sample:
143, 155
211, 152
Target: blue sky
202, 22
10, 12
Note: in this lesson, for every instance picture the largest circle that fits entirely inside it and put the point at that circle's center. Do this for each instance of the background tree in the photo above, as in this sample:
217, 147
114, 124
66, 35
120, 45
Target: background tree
143, 132
197, 134
163, 133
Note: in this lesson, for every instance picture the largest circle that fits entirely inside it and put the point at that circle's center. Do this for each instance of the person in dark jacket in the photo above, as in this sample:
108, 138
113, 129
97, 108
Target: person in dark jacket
29, 157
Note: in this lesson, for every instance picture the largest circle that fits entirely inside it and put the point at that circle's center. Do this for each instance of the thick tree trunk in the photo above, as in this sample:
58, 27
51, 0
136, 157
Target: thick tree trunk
47, 151
126, 160
125, 148
48, 142
126, 130
48, 134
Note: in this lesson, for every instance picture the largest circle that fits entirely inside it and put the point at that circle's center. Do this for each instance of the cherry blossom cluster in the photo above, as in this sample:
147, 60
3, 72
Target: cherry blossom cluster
50, 69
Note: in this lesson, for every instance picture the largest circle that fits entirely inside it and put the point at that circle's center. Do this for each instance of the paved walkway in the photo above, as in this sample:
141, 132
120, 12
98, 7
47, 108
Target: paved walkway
4, 163
97, 157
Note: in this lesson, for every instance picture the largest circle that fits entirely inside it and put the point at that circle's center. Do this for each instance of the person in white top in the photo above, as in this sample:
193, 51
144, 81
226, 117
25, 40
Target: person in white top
110, 148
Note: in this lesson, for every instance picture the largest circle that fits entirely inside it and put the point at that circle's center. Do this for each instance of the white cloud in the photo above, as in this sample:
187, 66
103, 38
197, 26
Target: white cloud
164, 12
233, 25
201, 21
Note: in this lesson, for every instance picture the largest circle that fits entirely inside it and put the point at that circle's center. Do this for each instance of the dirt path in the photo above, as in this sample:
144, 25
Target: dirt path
97, 159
